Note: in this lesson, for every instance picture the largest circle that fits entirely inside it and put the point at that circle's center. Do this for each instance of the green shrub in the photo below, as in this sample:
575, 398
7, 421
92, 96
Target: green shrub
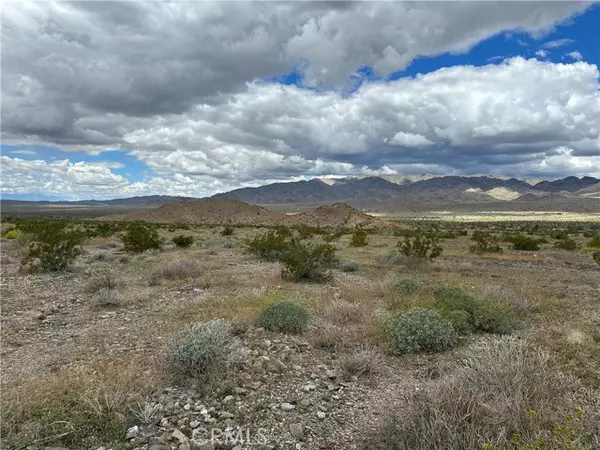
485, 243
493, 317
201, 348
559, 235
349, 266
419, 330
460, 320
53, 247
311, 262
421, 246
566, 244
525, 243
11, 234
596, 257
594, 243
227, 231
359, 238
269, 246
406, 286
451, 298
183, 241
138, 238
284, 317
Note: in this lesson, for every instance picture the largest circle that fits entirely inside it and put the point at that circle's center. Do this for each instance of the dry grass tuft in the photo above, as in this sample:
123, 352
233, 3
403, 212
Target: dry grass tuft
363, 361
175, 270
104, 282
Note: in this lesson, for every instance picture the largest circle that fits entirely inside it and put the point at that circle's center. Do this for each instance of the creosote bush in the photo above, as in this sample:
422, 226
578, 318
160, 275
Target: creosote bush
421, 330
183, 241
566, 244
307, 262
201, 348
138, 238
359, 238
525, 243
270, 245
53, 247
284, 317
420, 246
594, 243
485, 243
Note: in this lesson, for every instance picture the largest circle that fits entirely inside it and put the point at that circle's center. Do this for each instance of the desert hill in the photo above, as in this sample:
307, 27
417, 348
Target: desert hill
225, 210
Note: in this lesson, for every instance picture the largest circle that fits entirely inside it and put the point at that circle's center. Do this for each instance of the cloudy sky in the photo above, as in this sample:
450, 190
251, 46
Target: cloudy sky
110, 99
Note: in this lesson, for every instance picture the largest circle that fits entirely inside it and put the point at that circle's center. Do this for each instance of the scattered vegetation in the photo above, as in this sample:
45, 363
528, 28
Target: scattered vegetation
175, 270
284, 317
362, 362
183, 241
421, 330
138, 238
406, 286
566, 244
524, 243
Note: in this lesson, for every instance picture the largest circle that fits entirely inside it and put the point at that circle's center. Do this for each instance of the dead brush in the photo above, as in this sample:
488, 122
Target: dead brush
175, 270
104, 282
362, 362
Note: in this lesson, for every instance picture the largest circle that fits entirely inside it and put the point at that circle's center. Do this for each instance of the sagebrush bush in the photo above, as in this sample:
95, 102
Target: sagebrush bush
203, 347
485, 243
138, 238
53, 247
284, 317
306, 261
421, 330
349, 266
359, 238
183, 241
405, 286
421, 246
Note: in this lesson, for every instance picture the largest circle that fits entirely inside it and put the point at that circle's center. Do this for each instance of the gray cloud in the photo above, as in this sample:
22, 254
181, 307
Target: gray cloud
178, 84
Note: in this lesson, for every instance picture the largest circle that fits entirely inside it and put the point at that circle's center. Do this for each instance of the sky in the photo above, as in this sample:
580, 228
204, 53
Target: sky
118, 99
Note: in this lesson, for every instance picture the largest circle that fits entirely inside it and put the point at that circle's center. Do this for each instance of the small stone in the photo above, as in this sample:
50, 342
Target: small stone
330, 374
297, 430
185, 446
287, 407
309, 387
228, 399
321, 415
164, 422
254, 385
194, 424
187, 406
179, 436
240, 391
132, 432
305, 402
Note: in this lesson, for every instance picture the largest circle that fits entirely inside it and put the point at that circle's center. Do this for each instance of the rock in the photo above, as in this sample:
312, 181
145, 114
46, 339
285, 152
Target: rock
287, 407
157, 444
228, 399
240, 391
182, 438
321, 415
305, 402
194, 424
297, 431
185, 446
330, 374
41, 316
309, 387
254, 385
132, 432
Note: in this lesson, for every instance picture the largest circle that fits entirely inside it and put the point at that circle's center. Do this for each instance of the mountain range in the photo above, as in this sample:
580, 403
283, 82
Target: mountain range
390, 192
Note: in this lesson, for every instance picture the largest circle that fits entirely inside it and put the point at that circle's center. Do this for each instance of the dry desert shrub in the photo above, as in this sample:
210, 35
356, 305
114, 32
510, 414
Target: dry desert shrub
364, 361
502, 394
175, 270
